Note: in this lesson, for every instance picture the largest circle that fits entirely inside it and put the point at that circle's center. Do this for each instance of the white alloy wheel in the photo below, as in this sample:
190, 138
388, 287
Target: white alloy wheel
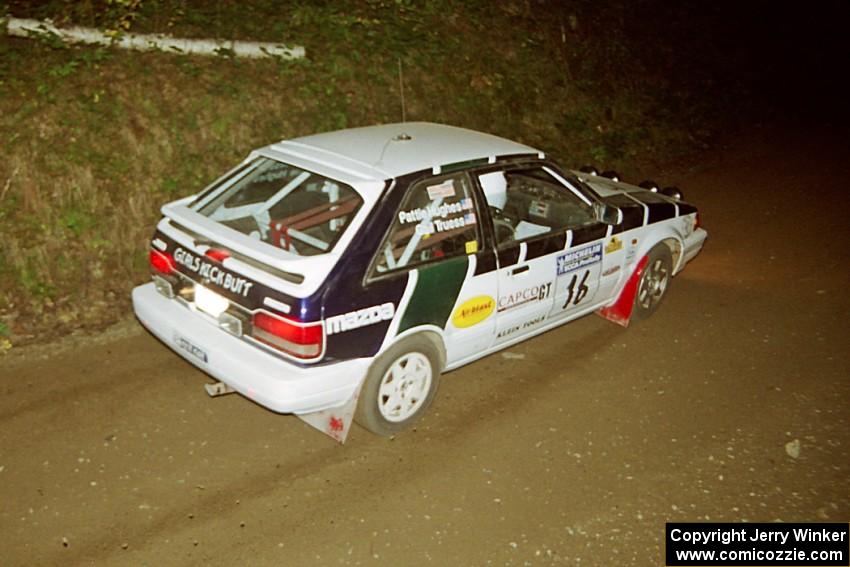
404, 387
653, 282
400, 386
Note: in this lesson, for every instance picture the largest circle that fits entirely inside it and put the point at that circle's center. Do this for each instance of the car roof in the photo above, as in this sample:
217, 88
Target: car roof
390, 150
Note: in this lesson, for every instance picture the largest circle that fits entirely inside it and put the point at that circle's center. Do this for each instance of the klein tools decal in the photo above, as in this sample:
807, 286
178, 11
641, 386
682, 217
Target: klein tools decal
577, 259
473, 311
360, 318
212, 273
614, 245
530, 323
523, 296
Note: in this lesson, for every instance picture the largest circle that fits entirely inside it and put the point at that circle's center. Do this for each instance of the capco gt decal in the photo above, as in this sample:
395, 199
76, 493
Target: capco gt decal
212, 273
473, 311
360, 318
523, 296
580, 258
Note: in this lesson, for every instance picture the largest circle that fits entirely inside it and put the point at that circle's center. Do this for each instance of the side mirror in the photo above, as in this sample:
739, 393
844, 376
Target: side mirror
609, 214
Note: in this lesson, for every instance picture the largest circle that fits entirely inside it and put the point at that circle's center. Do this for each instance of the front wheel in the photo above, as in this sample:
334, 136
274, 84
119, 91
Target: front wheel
400, 386
654, 282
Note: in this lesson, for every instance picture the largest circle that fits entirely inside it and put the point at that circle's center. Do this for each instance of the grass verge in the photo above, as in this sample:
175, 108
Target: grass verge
96, 139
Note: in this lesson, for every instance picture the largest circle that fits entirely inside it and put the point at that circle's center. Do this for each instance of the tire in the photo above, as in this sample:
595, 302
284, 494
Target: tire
654, 282
400, 386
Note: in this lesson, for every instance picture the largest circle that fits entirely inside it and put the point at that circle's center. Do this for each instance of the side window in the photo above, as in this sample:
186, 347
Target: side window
526, 202
436, 220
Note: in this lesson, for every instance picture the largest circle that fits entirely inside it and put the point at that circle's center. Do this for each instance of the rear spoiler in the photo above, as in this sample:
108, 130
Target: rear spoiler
199, 239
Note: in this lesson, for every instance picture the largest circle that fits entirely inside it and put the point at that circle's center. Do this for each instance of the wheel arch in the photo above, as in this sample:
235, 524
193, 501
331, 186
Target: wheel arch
431, 332
663, 234
675, 246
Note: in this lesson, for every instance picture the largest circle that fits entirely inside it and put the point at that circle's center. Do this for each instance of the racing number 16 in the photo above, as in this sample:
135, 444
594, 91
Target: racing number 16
574, 295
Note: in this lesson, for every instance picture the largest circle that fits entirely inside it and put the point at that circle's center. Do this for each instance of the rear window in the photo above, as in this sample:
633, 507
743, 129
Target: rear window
283, 205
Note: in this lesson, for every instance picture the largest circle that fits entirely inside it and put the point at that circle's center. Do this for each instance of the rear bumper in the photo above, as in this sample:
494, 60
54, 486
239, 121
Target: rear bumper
271, 382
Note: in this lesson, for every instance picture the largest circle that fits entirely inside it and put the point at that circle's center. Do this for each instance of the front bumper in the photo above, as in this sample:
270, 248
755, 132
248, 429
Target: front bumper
259, 376
693, 244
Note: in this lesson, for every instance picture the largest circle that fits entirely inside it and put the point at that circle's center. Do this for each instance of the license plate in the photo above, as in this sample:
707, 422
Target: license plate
209, 301
186, 345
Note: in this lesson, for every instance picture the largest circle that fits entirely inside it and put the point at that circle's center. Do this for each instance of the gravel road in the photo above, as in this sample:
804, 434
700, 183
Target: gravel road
731, 403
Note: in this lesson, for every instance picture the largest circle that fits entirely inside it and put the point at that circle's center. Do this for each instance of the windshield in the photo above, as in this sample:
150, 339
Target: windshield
283, 205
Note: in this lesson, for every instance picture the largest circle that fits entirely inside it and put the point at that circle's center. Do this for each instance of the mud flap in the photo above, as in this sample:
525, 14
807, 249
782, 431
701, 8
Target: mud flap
620, 311
334, 422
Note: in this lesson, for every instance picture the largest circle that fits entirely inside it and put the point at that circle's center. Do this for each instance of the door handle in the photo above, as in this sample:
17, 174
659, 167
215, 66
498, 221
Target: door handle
519, 270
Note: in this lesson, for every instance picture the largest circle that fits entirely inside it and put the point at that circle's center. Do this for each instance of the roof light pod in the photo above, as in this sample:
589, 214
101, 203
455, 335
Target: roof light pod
673, 192
589, 169
650, 185
611, 174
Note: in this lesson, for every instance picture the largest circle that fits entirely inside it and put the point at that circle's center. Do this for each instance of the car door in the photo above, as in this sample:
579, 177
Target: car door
437, 240
535, 212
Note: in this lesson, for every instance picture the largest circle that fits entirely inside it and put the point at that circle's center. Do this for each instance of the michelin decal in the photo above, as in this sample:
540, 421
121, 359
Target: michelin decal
577, 259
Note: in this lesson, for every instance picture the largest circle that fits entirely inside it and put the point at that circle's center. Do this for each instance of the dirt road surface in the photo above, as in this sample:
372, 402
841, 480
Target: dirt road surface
731, 403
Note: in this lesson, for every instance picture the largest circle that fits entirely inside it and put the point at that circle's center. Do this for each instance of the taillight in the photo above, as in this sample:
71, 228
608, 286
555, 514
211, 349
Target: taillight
697, 224
217, 255
298, 339
162, 262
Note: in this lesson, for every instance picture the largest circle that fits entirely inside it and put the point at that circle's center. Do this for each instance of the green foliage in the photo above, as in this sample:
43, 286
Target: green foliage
64, 70
104, 137
34, 282
78, 221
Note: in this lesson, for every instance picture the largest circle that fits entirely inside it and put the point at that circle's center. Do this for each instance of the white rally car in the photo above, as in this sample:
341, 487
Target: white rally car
336, 276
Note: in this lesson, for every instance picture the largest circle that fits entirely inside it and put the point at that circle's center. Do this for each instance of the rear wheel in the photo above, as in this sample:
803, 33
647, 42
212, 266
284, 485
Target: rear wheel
400, 386
654, 282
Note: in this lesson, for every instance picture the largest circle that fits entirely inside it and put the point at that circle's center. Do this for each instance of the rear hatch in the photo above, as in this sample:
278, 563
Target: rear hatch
250, 251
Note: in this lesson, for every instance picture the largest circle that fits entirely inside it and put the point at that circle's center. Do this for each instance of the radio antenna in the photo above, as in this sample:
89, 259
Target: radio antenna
401, 89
